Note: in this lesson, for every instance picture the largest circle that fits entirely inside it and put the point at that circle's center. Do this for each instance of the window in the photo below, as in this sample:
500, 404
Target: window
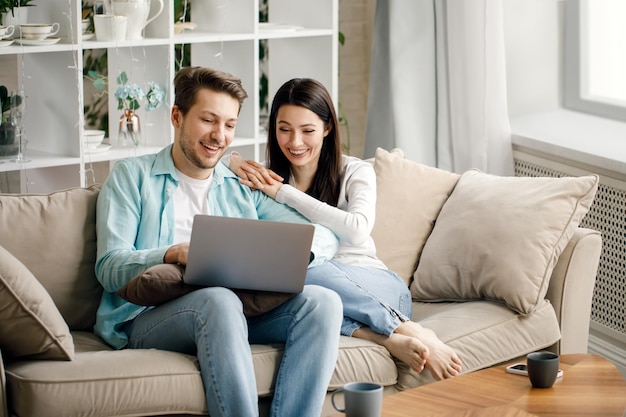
595, 57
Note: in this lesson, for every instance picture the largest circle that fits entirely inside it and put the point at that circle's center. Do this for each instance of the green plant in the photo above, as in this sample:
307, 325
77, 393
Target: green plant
182, 13
8, 102
95, 62
263, 62
7, 6
86, 9
343, 119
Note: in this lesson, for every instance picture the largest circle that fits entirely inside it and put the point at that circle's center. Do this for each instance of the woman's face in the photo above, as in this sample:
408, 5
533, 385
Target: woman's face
300, 133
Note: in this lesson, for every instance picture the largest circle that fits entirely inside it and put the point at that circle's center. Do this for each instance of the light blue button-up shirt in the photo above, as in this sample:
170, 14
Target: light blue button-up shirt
135, 227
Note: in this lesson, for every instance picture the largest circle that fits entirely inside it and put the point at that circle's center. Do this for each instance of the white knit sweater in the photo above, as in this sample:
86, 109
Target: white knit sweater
353, 218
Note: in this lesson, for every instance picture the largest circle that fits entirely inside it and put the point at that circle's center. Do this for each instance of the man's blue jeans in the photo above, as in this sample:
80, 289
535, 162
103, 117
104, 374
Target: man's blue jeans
372, 297
210, 324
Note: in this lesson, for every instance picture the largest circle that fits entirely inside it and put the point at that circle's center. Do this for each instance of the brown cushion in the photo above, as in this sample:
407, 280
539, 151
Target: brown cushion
500, 237
57, 243
409, 197
156, 285
30, 324
164, 282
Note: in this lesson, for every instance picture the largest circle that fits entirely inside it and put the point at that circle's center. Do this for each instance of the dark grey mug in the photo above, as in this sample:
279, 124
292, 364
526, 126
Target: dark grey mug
542, 368
361, 399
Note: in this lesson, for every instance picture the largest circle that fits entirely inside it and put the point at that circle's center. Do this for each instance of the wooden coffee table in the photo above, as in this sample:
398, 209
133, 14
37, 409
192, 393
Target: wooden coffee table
591, 386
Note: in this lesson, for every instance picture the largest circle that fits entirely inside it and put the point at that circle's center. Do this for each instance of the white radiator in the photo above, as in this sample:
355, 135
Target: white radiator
608, 216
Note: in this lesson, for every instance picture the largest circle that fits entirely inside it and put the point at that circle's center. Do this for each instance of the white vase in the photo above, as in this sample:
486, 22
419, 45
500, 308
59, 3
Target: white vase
18, 16
129, 132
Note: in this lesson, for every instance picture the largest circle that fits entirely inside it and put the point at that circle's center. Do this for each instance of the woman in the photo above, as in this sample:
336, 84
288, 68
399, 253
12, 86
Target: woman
339, 192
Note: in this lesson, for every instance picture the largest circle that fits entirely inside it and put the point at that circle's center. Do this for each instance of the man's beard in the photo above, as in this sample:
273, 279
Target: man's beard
192, 155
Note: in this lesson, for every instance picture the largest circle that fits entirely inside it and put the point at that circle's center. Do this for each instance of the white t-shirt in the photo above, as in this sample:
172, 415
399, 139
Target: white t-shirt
191, 198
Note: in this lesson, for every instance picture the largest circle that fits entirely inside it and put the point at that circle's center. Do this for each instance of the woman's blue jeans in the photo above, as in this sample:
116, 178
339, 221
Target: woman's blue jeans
210, 324
372, 297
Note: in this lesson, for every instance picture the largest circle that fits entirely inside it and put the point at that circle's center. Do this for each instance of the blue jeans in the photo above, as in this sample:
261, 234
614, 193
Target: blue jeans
210, 324
372, 297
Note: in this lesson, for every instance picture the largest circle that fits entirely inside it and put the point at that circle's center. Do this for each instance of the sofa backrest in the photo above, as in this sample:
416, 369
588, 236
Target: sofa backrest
54, 236
409, 198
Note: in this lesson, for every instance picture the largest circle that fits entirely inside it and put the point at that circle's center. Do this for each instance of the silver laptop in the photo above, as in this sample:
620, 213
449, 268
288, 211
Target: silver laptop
248, 254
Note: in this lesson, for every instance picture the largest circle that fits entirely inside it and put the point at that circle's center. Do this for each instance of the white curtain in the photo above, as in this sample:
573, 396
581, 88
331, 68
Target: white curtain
437, 84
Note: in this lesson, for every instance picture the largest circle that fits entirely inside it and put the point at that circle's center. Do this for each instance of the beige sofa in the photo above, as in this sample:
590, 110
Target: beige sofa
498, 267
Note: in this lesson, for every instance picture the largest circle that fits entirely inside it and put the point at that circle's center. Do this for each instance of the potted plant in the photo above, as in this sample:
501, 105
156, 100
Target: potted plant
8, 143
14, 12
129, 98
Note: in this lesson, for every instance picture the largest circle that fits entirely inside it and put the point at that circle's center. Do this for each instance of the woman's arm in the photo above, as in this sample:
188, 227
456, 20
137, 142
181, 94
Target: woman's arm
353, 220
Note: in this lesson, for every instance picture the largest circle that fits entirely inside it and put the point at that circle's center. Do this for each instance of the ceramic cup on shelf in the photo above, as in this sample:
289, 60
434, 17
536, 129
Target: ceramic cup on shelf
110, 27
93, 136
39, 31
6, 31
138, 12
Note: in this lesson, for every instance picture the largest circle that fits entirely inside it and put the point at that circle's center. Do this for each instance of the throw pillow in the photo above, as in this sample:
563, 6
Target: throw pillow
30, 324
409, 198
156, 285
164, 282
499, 238
60, 228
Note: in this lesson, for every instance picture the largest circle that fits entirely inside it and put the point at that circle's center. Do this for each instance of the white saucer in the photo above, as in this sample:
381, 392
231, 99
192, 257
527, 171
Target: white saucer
103, 147
38, 42
87, 36
5, 42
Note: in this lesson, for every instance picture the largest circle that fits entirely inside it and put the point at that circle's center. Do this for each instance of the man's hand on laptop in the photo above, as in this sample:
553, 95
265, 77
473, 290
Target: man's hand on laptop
177, 254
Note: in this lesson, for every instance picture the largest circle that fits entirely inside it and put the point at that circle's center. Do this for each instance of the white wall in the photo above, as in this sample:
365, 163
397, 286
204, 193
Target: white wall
533, 32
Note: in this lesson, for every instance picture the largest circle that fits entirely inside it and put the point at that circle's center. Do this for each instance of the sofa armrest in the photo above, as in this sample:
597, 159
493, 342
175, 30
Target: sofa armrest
571, 289
4, 412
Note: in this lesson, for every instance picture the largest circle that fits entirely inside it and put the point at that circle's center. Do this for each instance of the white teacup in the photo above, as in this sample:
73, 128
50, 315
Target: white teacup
110, 27
93, 137
39, 31
6, 31
85, 25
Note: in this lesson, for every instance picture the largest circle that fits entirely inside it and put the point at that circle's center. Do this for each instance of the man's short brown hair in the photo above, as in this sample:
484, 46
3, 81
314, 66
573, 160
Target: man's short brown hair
189, 80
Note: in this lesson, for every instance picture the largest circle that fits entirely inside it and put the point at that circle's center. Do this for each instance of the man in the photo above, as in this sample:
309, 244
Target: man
144, 218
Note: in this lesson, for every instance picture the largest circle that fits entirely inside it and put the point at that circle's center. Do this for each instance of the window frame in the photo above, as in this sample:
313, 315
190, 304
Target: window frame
574, 70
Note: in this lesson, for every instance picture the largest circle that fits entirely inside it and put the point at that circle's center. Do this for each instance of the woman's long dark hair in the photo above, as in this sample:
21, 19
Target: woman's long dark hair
312, 95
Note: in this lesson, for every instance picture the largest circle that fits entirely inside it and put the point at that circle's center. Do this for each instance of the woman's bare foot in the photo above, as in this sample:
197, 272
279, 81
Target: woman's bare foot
441, 361
405, 348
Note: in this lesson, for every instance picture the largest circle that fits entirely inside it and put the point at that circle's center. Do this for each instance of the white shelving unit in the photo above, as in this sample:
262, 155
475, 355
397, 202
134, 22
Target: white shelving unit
302, 42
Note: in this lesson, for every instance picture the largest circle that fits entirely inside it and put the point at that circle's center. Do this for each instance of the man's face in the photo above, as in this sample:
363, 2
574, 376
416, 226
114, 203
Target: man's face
204, 134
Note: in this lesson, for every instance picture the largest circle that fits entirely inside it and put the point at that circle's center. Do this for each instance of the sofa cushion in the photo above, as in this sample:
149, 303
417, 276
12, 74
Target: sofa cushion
60, 228
500, 237
409, 198
30, 323
482, 333
362, 360
156, 382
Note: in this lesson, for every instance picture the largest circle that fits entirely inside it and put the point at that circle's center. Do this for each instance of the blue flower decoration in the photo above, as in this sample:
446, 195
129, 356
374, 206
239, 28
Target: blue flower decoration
129, 96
